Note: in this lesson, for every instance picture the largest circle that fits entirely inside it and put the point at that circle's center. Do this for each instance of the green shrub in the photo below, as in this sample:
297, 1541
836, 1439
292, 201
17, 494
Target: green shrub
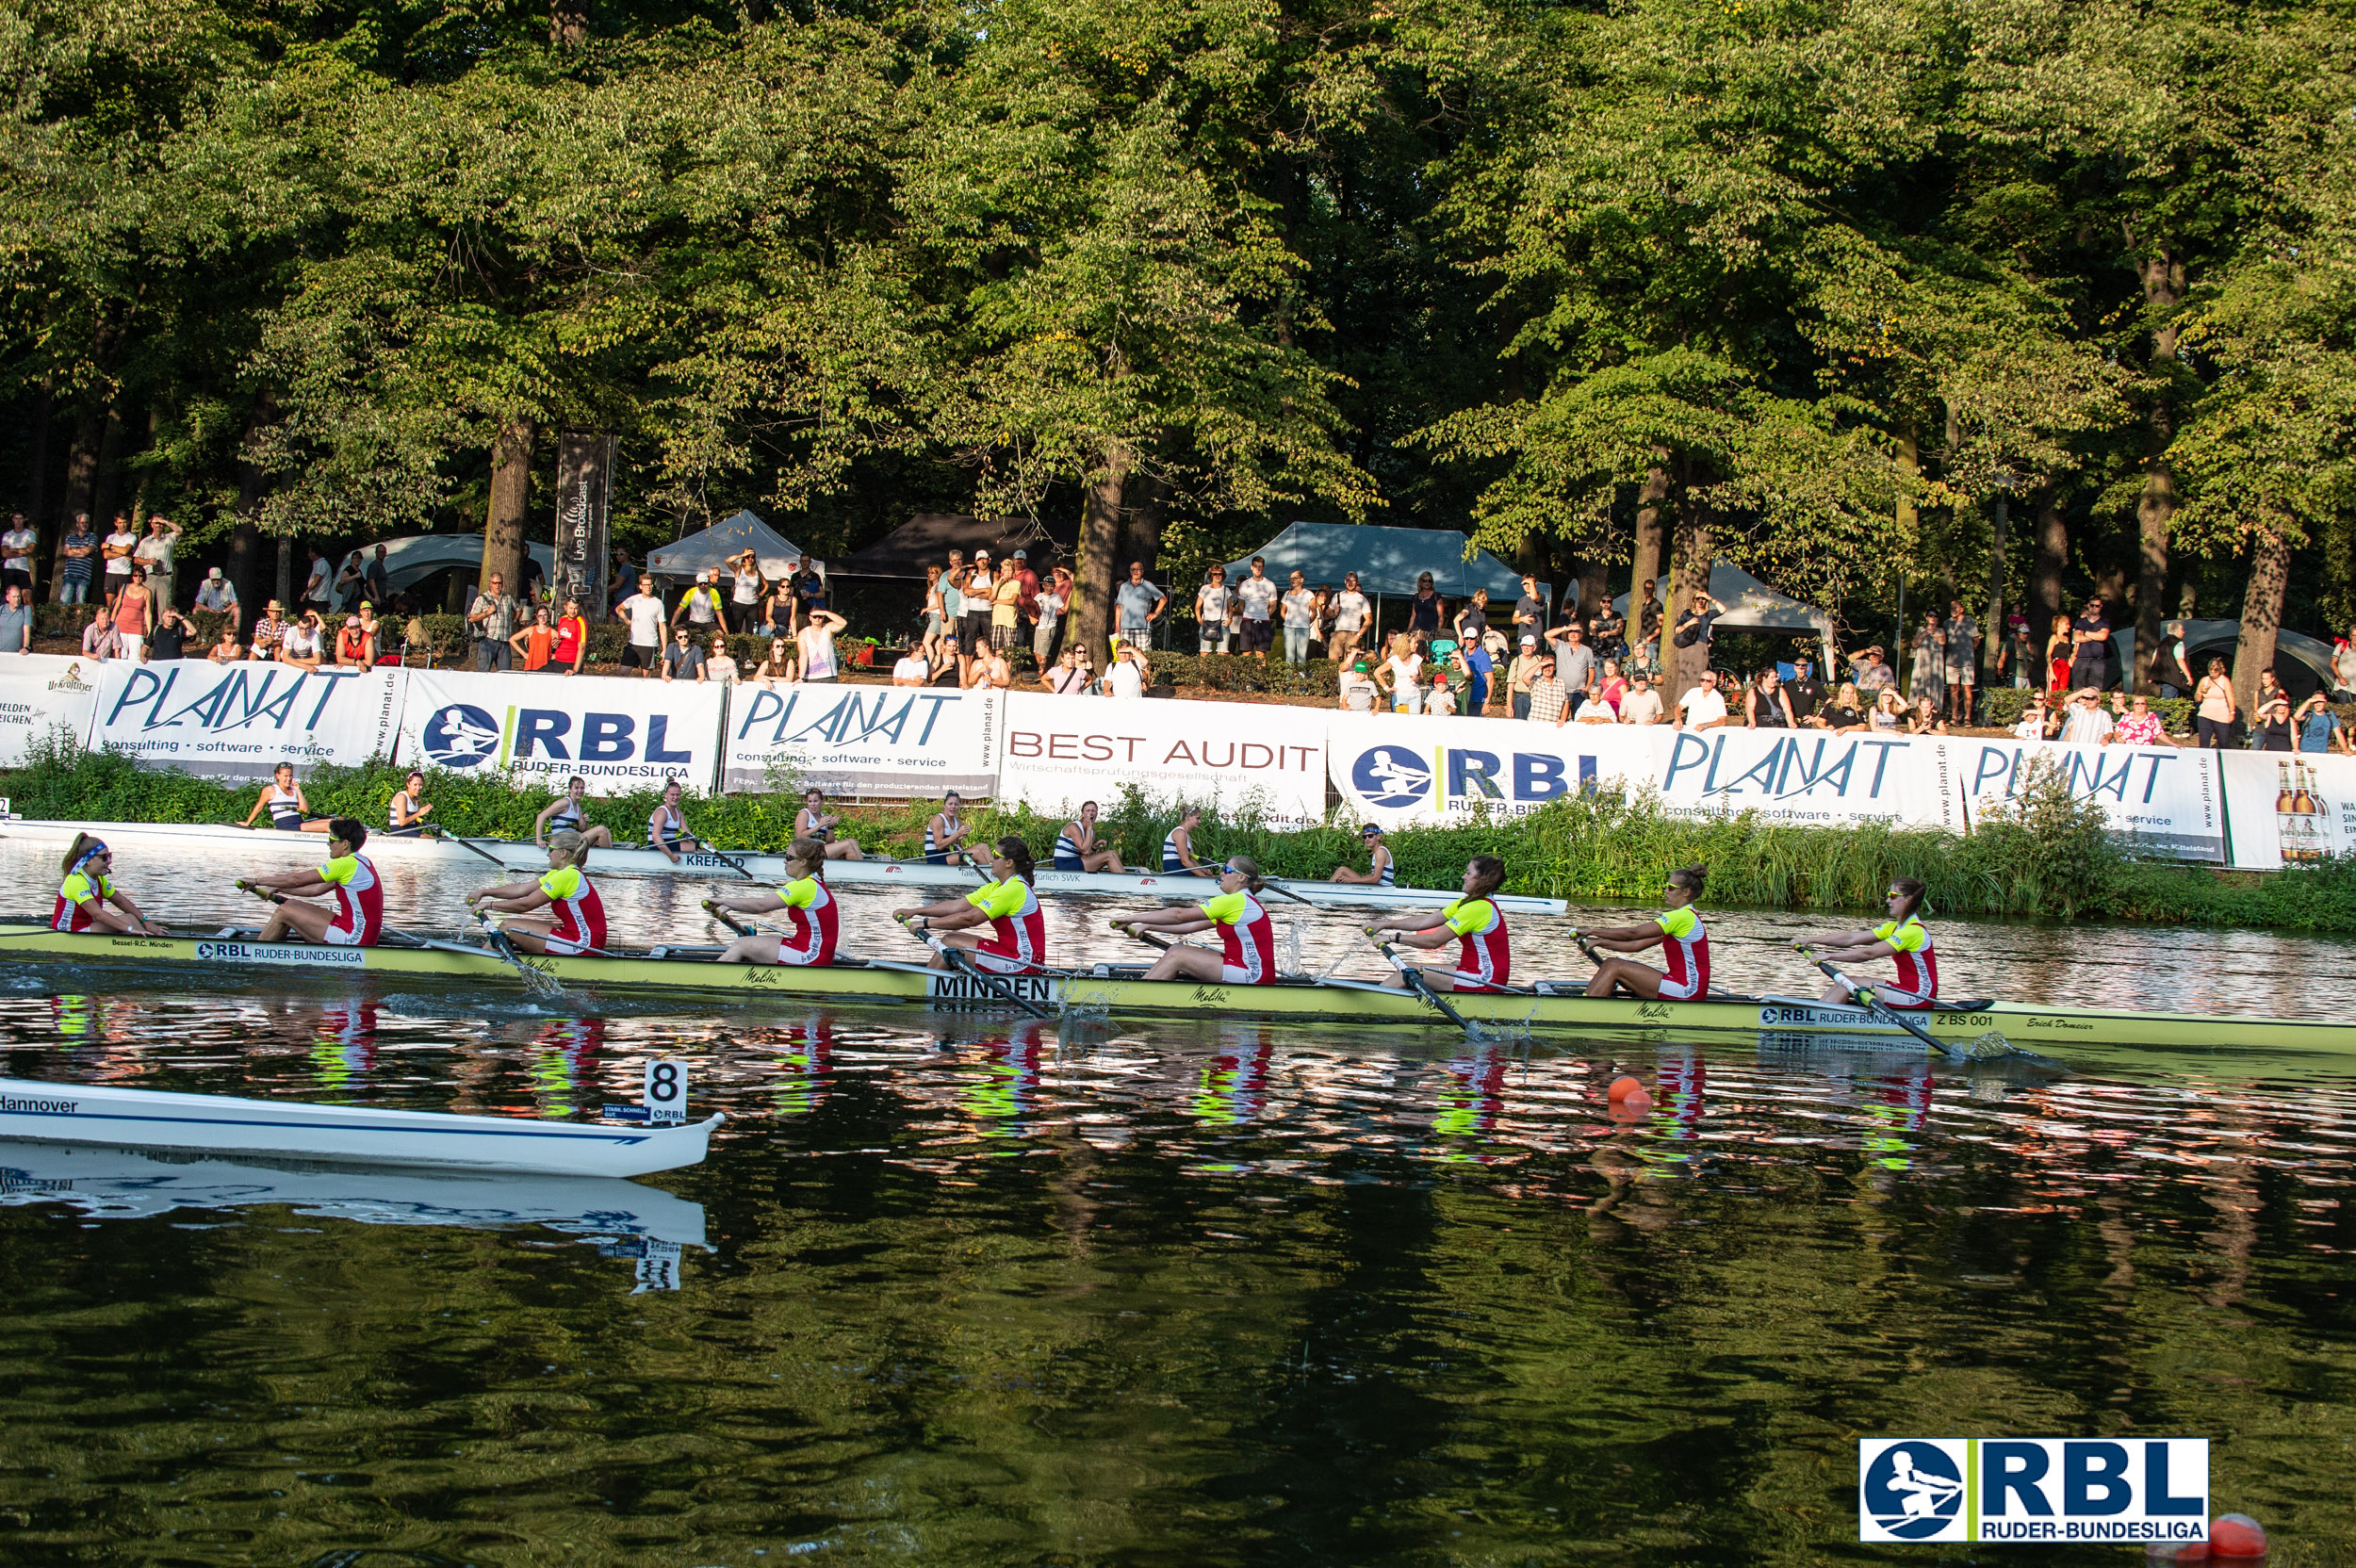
1228, 672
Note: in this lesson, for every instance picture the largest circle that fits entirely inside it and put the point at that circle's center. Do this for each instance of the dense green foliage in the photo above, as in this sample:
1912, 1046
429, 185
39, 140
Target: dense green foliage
1868, 297
2049, 856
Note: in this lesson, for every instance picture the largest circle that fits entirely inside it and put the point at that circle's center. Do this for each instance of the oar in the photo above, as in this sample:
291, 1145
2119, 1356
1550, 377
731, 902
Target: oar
714, 909
411, 937
957, 959
1413, 975
467, 843
1864, 998
1141, 934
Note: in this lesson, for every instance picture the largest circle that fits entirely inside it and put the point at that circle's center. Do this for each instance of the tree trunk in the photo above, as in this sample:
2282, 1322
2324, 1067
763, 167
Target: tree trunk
2260, 612
1595, 588
1992, 628
108, 497
1646, 563
2045, 577
37, 479
1141, 527
1693, 556
511, 504
1099, 547
81, 490
2163, 290
286, 571
244, 569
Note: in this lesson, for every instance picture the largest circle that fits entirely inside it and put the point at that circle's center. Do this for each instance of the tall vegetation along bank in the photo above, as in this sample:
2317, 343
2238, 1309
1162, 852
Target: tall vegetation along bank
2048, 856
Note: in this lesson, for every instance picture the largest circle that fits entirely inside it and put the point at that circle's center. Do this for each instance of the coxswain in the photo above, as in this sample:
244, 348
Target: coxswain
666, 826
1382, 870
349, 878
405, 814
808, 902
1017, 943
1178, 848
289, 809
88, 888
1677, 930
1902, 936
575, 922
566, 811
944, 830
1484, 951
1247, 938
1077, 847
809, 822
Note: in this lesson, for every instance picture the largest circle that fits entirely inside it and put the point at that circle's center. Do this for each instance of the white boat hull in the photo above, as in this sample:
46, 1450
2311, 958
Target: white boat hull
347, 1135
644, 861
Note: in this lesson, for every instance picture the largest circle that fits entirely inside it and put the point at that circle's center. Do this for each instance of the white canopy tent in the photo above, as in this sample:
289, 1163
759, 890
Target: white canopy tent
710, 549
1751, 606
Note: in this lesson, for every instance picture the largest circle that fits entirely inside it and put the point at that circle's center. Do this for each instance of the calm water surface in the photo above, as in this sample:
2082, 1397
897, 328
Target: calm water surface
964, 1292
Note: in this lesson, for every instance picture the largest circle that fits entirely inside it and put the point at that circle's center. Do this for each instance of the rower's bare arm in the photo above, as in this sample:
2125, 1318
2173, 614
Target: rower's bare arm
1644, 935
1860, 954
1426, 939
750, 904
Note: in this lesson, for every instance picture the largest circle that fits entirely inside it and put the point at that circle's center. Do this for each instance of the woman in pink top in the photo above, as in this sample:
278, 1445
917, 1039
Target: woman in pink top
131, 614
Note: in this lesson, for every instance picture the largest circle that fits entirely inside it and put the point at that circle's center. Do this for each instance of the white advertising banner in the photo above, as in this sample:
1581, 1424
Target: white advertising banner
2169, 797
1060, 751
1395, 769
868, 742
1807, 777
618, 734
41, 692
2288, 808
239, 721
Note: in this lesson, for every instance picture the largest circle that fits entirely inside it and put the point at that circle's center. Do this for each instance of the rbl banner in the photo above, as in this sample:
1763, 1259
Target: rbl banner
619, 735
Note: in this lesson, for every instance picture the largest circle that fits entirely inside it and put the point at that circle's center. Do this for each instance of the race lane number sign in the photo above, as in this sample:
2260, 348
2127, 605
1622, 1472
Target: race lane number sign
2128, 1491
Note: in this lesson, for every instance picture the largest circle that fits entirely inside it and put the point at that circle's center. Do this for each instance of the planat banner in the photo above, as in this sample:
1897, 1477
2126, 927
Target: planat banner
2287, 808
620, 735
1060, 751
1396, 770
868, 742
2170, 797
1806, 777
239, 721
43, 692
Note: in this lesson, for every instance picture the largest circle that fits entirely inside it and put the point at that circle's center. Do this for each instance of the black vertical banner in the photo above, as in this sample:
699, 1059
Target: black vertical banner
585, 495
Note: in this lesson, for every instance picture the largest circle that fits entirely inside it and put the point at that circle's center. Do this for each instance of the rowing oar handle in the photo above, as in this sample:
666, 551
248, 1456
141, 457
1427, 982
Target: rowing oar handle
1132, 928
261, 892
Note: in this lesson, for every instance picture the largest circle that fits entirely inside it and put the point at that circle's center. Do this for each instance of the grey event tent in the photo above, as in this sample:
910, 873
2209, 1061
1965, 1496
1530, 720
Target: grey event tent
1388, 561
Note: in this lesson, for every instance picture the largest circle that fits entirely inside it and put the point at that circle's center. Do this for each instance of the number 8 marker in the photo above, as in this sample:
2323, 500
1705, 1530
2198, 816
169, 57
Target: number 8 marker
665, 1091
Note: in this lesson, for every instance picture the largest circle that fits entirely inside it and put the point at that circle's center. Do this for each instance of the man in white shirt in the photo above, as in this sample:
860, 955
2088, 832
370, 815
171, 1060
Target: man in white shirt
644, 612
16, 555
216, 593
1574, 663
1210, 611
1350, 618
1126, 679
118, 548
2088, 722
320, 587
1301, 616
1258, 594
1640, 703
1702, 707
911, 670
155, 553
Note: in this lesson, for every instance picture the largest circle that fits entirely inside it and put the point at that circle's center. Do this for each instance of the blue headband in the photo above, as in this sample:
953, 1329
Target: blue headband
96, 850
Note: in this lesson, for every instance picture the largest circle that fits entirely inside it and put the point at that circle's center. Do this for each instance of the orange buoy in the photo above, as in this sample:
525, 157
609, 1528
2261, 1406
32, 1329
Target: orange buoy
2236, 1535
1623, 1088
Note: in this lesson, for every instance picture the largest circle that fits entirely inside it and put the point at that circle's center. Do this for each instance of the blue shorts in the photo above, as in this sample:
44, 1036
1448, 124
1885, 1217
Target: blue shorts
1068, 862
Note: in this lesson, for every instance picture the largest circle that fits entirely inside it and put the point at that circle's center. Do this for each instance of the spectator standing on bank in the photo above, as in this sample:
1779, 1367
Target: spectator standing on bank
1472, 661
1702, 707
2213, 709
1806, 693
1522, 675
376, 579
1873, 676
135, 615
981, 592
534, 643
1005, 610
1127, 677
491, 618
746, 588
1350, 610
19, 549
2343, 667
1136, 605
351, 581
1401, 675
78, 559
119, 548
1963, 661
216, 593
2140, 727
1606, 632
1929, 677
1425, 609
1529, 611
1698, 623
815, 643
684, 658
700, 608
2272, 732
1643, 704
1299, 609
1471, 621
1256, 594
16, 620
1358, 690
643, 612
1210, 611
1574, 663
2088, 722
1055, 601
2016, 659
1767, 706
1548, 700
2090, 655
2319, 729
1646, 614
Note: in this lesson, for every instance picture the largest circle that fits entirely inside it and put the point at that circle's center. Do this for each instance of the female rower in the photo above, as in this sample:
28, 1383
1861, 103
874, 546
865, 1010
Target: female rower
1484, 956
404, 816
289, 809
1077, 847
942, 833
1018, 941
1247, 939
809, 824
666, 826
349, 878
1380, 872
83, 896
1902, 936
807, 902
565, 813
1684, 948
575, 922
1178, 848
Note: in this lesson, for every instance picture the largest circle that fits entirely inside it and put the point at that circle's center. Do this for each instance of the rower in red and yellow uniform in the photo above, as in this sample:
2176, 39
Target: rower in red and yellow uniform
808, 902
1484, 957
349, 877
575, 922
1247, 939
88, 888
1007, 904
1902, 936
1678, 933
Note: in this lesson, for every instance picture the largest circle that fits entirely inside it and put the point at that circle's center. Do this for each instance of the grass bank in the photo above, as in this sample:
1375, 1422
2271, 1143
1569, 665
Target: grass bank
2051, 857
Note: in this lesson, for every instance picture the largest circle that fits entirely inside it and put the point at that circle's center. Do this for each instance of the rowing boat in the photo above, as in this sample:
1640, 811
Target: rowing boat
645, 861
347, 1135
1119, 991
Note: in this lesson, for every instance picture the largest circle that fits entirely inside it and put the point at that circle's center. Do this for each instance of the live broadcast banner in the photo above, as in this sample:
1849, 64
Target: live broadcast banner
240, 721
619, 735
2288, 808
2170, 797
863, 741
1231, 757
41, 693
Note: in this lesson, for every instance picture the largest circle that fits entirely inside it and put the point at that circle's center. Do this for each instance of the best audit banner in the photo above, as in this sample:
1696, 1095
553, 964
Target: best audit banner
619, 735
240, 721
1396, 770
2170, 797
39, 693
863, 740
2288, 808
1232, 756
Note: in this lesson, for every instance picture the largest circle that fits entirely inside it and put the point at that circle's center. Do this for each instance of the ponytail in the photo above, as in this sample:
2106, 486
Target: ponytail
83, 848
809, 852
1692, 879
1488, 874
1911, 889
1015, 850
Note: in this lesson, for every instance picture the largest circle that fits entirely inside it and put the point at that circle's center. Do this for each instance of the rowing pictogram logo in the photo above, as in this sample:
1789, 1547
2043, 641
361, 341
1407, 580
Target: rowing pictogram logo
1391, 777
1913, 1490
460, 736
